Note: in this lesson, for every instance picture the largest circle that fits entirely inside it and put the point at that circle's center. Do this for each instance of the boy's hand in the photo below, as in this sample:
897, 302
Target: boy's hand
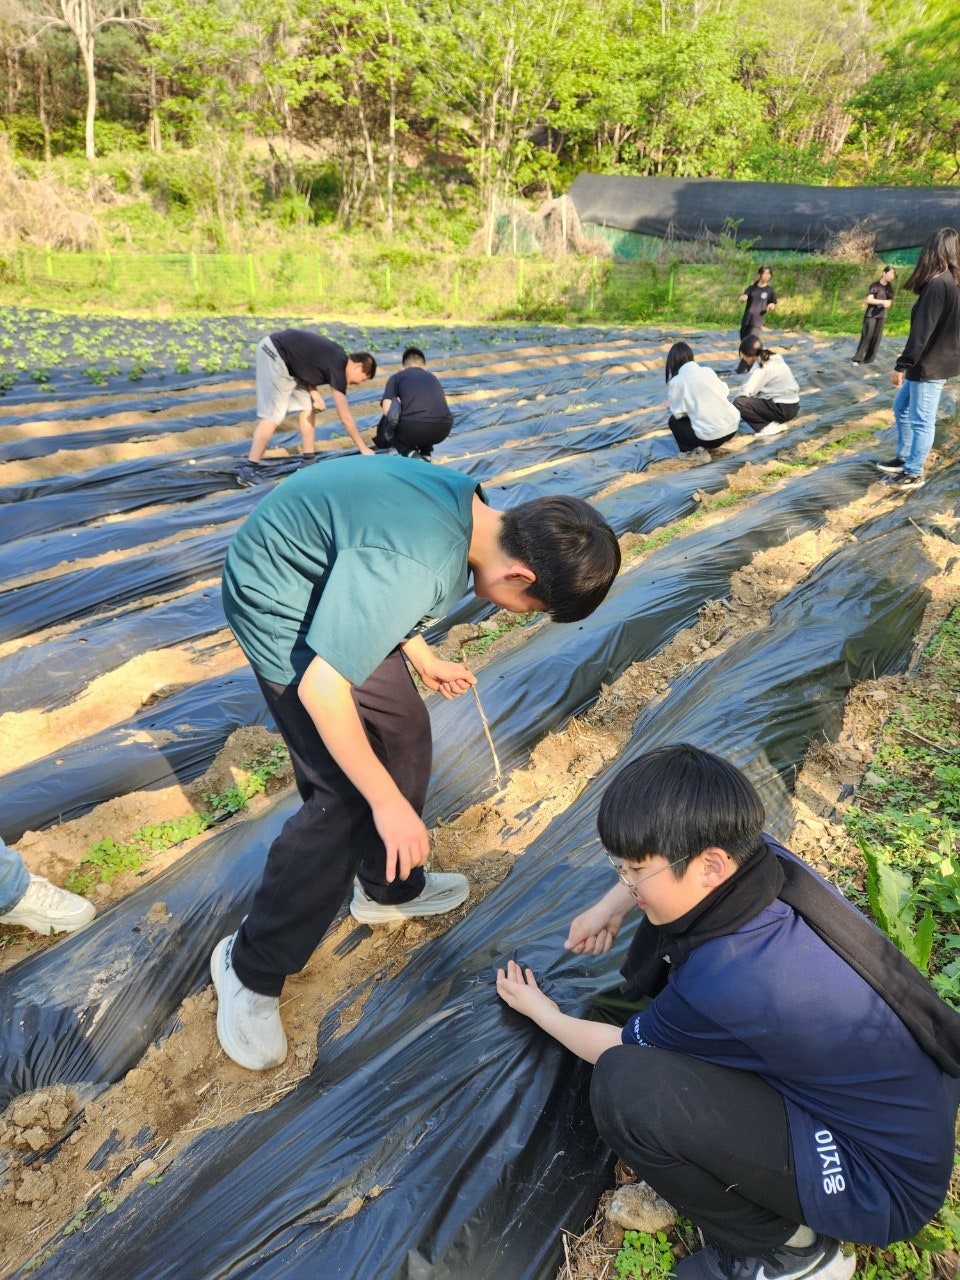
593, 931
404, 836
450, 679
520, 991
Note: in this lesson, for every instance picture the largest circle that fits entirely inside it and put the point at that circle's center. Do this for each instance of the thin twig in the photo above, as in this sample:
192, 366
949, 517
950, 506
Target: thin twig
485, 723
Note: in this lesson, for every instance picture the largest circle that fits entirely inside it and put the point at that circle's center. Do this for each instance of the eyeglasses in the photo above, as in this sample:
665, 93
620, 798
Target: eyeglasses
633, 885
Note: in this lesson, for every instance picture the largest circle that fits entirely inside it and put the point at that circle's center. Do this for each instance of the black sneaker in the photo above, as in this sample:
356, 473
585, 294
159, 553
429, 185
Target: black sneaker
907, 482
892, 468
250, 473
308, 459
821, 1260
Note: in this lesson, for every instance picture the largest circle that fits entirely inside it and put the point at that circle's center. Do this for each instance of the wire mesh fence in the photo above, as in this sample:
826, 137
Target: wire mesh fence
449, 287
392, 282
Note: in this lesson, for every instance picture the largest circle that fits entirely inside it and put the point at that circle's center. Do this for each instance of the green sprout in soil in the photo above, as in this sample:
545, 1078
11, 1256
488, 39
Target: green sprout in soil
109, 858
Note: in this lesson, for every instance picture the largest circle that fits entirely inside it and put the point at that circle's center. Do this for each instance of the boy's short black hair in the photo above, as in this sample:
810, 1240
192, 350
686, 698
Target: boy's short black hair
571, 549
366, 362
413, 355
677, 801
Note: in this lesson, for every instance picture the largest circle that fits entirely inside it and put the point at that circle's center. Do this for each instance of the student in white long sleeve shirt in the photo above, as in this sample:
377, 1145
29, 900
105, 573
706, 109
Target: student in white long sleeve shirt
770, 397
701, 416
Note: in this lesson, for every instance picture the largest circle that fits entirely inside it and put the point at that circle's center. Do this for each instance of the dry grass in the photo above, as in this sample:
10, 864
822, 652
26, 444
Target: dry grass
35, 210
854, 244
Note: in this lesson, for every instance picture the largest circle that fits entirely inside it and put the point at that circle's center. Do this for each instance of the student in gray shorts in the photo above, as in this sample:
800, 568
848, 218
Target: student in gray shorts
291, 366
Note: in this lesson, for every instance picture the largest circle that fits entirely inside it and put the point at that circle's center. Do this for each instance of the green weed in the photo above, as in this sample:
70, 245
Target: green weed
644, 1257
109, 858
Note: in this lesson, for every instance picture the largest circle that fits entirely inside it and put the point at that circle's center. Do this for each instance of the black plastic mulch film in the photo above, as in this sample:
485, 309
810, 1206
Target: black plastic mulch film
473, 1159
491, 1150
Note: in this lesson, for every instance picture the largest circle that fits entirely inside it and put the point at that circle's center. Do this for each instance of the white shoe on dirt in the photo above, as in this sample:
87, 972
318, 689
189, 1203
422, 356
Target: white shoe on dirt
46, 908
443, 891
248, 1024
772, 429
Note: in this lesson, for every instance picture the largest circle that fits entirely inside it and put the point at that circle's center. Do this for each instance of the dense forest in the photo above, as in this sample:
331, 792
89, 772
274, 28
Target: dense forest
517, 96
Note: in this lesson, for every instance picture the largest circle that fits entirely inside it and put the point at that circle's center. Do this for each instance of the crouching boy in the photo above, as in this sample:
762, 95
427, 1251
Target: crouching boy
793, 1080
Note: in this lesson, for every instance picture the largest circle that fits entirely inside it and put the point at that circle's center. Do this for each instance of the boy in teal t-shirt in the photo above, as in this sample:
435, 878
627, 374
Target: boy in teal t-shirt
324, 586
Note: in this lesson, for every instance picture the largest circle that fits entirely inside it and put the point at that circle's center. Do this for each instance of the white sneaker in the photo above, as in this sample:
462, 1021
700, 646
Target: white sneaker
46, 908
248, 1024
772, 429
443, 891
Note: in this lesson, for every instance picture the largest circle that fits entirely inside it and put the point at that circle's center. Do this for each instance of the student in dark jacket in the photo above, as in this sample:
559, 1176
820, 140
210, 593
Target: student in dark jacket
793, 1081
931, 356
878, 302
416, 415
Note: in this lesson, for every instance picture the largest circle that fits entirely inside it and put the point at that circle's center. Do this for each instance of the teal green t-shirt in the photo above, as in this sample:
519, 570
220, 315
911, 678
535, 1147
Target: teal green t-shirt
343, 560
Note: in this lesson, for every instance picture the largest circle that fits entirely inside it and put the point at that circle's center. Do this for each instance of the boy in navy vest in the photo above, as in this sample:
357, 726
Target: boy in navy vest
793, 1080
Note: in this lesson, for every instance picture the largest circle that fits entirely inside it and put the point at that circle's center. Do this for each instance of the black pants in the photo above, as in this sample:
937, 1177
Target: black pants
412, 436
311, 864
688, 440
758, 412
870, 336
712, 1141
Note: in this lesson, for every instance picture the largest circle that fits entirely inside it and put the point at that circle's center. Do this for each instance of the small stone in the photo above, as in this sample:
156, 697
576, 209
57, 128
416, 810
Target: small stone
872, 779
637, 1207
145, 1169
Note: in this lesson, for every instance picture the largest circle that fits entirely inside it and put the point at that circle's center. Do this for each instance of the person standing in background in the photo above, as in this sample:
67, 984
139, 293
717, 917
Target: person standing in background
878, 302
931, 356
759, 298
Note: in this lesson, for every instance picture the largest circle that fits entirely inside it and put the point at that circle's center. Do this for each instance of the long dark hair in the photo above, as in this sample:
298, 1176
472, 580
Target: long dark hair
680, 353
940, 252
752, 347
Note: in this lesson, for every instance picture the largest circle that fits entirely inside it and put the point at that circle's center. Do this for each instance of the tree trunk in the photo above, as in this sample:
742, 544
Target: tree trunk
89, 70
154, 137
42, 106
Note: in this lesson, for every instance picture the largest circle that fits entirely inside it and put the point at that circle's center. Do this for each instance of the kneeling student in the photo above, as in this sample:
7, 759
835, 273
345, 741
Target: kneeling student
793, 1081
701, 416
416, 415
770, 397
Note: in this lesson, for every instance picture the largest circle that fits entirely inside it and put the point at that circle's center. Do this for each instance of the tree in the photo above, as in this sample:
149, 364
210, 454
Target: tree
84, 20
908, 113
490, 78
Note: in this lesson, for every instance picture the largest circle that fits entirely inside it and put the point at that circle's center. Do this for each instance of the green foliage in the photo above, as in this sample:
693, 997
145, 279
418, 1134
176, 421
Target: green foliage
893, 902
908, 818
644, 1257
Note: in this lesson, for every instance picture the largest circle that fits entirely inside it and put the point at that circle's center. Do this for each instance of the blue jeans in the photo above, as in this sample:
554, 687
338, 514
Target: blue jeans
915, 413
14, 878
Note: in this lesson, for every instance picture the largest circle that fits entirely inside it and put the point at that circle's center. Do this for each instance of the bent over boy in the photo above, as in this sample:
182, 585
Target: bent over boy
324, 587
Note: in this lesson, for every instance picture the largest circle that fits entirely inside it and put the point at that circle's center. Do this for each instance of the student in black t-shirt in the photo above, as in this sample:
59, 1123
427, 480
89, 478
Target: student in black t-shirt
415, 411
291, 366
759, 298
878, 301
